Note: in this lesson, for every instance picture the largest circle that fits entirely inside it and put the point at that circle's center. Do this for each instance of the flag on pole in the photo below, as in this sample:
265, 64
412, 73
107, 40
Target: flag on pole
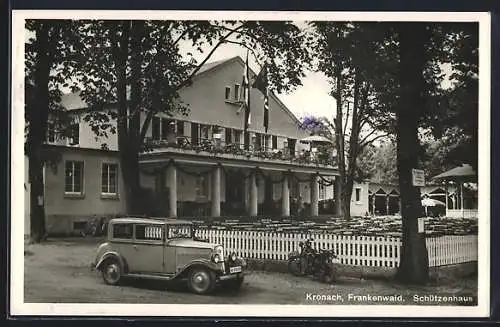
245, 91
261, 83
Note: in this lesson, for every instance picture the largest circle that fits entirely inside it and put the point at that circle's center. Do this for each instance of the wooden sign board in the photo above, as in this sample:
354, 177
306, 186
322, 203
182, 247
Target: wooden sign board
418, 177
421, 225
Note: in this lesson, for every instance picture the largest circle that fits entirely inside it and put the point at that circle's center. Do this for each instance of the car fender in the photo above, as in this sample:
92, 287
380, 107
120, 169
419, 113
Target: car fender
113, 255
199, 262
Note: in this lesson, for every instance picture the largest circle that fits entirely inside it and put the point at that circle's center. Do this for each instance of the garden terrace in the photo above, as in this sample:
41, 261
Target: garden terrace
389, 226
318, 156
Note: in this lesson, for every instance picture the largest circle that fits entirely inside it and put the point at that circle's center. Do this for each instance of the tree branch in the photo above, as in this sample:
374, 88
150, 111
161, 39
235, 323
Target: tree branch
362, 107
195, 71
150, 114
364, 142
237, 31
249, 48
347, 117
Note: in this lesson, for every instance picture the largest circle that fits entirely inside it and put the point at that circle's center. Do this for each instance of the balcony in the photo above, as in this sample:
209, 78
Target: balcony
321, 157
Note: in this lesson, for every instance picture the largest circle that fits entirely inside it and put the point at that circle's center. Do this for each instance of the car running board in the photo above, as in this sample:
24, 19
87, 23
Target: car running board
146, 276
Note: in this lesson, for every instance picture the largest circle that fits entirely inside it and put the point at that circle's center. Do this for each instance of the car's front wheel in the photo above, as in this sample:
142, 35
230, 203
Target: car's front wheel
111, 272
201, 280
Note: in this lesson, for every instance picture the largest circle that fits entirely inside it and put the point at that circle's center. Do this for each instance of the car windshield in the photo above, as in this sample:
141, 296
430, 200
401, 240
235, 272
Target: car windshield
179, 231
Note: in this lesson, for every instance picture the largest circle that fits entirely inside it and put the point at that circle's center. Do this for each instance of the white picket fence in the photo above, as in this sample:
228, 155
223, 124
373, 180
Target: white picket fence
352, 250
452, 249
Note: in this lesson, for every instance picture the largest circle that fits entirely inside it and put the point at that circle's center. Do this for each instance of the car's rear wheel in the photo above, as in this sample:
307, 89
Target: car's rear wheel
201, 280
111, 272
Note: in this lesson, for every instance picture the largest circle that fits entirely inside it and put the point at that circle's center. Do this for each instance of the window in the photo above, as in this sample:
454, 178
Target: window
180, 231
109, 179
227, 93
275, 142
237, 137
257, 141
74, 138
162, 128
322, 191
122, 231
236, 92
358, 194
291, 146
149, 232
180, 128
228, 135
267, 141
73, 181
202, 186
194, 133
165, 127
51, 133
204, 130
155, 128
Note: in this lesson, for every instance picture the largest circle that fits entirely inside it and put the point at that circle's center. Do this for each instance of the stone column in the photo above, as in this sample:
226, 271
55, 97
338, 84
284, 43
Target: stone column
446, 197
338, 197
314, 195
172, 190
462, 198
285, 197
253, 195
216, 192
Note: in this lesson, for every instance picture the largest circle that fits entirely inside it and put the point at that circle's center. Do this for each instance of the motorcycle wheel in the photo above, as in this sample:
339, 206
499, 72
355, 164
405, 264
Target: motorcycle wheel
295, 266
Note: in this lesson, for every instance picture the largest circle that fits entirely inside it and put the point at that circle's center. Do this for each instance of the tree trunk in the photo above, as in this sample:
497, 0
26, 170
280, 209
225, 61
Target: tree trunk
37, 113
37, 211
129, 158
131, 171
339, 144
346, 199
127, 120
414, 263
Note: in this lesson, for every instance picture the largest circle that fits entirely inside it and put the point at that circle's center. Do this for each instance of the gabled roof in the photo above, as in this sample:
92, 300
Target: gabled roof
210, 65
73, 101
220, 63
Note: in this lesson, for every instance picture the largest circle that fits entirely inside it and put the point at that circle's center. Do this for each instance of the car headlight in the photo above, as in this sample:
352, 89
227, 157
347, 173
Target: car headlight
233, 256
216, 258
218, 254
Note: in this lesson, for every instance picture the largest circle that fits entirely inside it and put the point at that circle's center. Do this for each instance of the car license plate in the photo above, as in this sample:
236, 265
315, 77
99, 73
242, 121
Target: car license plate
234, 270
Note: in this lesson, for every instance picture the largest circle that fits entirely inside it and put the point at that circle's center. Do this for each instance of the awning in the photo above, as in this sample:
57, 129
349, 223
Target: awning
464, 171
428, 202
316, 139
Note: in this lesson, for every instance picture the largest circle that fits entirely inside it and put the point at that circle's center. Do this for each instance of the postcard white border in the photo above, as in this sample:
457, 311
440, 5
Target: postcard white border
18, 307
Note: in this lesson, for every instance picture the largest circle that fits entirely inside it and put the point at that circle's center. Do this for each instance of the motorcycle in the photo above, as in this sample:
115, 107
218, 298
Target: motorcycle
321, 264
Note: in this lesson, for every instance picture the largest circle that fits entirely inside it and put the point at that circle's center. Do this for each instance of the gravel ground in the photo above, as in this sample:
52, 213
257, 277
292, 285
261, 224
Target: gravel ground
58, 272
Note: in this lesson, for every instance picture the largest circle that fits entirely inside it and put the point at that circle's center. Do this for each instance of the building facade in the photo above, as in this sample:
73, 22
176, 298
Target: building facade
199, 164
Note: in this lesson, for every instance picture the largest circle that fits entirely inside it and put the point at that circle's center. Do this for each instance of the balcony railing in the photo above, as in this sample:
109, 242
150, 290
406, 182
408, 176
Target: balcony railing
217, 146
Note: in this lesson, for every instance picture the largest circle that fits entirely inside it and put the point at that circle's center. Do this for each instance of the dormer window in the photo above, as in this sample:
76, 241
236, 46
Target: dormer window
227, 94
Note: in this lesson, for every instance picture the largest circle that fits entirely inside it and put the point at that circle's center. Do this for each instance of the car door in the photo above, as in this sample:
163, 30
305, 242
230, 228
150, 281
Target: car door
147, 250
169, 257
